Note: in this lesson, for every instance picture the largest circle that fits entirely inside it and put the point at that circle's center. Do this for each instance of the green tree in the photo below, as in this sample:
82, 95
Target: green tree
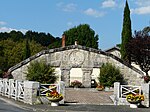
109, 74
16, 35
126, 33
83, 34
41, 72
26, 51
35, 47
11, 52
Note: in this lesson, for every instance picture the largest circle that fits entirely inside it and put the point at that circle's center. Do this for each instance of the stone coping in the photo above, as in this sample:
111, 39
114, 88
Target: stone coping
73, 47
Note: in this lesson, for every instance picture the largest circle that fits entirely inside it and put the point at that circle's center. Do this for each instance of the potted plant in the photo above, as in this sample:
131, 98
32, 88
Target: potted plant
99, 87
134, 99
54, 97
76, 84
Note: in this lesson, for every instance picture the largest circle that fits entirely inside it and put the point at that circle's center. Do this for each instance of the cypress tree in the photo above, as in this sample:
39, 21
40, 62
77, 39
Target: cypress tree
26, 52
126, 33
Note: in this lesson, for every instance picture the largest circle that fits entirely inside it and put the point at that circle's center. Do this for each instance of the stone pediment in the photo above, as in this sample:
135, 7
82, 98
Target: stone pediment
76, 56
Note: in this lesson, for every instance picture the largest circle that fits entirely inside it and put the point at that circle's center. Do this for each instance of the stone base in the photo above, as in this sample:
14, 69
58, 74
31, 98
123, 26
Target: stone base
54, 103
133, 106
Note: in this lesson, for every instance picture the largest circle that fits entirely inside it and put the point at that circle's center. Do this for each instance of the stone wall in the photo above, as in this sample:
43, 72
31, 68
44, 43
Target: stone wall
76, 56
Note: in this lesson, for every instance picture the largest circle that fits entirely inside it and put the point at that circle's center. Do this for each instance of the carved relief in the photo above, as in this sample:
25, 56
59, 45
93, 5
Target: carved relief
76, 57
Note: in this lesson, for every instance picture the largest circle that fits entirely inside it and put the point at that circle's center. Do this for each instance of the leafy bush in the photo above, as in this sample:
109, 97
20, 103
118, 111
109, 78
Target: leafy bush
109, 74
41, 72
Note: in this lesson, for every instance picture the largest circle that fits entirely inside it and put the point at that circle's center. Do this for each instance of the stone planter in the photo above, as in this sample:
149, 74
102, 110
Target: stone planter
133, 105
54, 103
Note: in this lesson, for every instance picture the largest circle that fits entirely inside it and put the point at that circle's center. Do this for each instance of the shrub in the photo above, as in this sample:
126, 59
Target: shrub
41, 72
109, 74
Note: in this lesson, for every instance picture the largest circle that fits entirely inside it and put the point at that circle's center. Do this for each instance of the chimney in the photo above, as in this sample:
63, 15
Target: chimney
63, 40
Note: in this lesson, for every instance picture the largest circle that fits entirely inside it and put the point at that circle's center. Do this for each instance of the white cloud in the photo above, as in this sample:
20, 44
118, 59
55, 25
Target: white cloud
2, 23
109, 4
70, 7
67, 7
141, 10
5, 29
94, 13
143, 2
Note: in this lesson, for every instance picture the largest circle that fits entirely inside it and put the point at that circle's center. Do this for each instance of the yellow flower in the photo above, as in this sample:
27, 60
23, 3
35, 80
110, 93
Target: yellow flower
135, 98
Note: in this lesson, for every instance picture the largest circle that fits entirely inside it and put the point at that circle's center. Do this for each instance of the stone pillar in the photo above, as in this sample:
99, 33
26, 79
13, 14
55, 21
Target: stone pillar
116, 92
65, 75
62, 91
146, 92
86, 78
30, 92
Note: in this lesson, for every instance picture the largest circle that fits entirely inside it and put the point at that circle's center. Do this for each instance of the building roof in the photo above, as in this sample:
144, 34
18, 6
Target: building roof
112, 49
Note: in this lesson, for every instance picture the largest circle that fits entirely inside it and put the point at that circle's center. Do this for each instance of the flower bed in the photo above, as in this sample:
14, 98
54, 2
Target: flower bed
76, 83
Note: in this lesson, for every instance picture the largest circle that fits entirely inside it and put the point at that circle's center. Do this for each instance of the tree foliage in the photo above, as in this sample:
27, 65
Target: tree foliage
16, 46
109, 74
26, 50
126, 33
41, 38
83, 34
139, 48
41, 72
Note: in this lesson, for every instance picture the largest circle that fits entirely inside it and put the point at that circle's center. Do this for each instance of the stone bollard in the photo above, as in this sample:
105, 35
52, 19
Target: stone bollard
146, 92
62, 91
116, 93
30, 92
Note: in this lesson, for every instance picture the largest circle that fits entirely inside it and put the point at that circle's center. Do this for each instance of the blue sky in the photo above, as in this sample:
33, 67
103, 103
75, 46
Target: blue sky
105, 17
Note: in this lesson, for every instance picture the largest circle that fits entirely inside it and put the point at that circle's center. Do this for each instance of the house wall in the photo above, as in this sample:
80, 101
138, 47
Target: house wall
116, 53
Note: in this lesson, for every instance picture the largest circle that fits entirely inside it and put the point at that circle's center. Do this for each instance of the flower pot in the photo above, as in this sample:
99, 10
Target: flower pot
55, 99
134, 102
133, 105
99, 89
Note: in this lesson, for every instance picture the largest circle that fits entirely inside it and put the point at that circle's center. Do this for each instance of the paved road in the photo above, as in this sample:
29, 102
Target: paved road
88, 108
5, 106
14, 106
77, 102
